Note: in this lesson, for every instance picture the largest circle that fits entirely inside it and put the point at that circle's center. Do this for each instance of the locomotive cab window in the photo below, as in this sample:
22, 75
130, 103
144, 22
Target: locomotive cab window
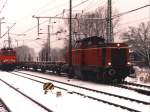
8, 53
89, 43
100, 43
77, 45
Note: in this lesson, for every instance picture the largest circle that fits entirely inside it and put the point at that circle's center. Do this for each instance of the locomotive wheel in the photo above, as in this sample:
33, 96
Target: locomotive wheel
58, 70
107, 76
70, 72
91, 76
43, 70
78, 73
85, 76
81, 74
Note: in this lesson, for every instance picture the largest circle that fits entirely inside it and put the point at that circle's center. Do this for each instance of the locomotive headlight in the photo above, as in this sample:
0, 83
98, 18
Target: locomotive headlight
130, 51
129, 63
118, 45
109, 63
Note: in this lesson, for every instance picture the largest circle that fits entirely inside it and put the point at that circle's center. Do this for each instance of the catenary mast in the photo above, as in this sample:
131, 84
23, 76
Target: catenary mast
109, 30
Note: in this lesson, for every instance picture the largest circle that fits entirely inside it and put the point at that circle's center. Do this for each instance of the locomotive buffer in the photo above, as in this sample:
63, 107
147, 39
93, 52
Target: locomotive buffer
48, 86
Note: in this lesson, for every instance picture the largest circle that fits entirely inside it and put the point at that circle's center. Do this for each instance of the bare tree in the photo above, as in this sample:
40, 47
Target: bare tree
24, 53
43, 54
55, 54
92, 27
139, 40
91, 23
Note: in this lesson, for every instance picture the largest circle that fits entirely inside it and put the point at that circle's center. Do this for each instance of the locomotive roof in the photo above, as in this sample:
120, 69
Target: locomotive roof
95, 38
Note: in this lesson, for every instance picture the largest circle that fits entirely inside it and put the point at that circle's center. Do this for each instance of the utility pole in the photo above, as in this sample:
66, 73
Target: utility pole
1, 24
38, 26
48, 42
8, 32
109, 30
70, 35
9, 28
9, 39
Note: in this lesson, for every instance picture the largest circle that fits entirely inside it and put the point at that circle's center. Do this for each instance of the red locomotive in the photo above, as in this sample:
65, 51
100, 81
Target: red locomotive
7, 59
93, 59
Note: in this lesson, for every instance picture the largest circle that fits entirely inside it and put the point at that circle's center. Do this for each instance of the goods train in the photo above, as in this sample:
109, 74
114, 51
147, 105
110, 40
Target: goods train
92, 59
7, 59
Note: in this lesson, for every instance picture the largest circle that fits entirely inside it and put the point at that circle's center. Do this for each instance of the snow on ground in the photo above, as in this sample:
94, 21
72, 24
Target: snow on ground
112, 99
65, 103
142, 76
17, 102
101, 87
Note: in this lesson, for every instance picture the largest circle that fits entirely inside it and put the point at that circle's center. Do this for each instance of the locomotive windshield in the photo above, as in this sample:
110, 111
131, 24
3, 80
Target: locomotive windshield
7, 52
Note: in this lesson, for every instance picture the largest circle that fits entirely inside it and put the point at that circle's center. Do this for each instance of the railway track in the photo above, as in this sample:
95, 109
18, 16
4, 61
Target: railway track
139, 90
137, 87
3, 107
90, 91
136, 84
28, 97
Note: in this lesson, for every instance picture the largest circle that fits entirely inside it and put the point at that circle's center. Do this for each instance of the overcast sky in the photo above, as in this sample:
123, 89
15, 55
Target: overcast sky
21, 12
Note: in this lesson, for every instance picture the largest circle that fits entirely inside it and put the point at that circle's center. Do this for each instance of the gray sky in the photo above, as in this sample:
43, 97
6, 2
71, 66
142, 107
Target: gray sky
21, 12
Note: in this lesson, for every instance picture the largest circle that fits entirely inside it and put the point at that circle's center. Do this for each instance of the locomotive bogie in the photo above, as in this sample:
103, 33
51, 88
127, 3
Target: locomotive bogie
101, 74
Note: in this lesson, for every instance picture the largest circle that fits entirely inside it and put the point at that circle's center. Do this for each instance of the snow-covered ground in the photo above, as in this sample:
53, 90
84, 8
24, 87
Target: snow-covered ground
64, 103
91, 85
142, 76
16, 102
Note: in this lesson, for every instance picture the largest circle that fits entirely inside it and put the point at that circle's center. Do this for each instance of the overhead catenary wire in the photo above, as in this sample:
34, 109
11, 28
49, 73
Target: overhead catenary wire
47, 4
133, 21
130, 11
8, 30
35, 12
3, 6
118, 15
50, 8
123, 28
30, 29
127, 12
95, 4
121, 14
26, 16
